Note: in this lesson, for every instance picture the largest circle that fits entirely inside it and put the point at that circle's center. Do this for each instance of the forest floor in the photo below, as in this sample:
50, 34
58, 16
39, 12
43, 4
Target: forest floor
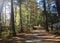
36, 36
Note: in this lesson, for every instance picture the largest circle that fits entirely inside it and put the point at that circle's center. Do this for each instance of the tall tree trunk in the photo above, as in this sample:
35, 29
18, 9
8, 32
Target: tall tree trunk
58, 10
58, 6
50, 14
21, 18
44, 5
12, 19
5, 16
1, 8
27, 16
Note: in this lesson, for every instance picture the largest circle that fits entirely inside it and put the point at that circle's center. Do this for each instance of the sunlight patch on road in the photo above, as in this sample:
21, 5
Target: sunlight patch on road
33, 40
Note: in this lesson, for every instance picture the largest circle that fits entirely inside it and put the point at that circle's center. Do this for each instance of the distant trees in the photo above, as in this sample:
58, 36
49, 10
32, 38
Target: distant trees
34, 12
20, 6
28, 14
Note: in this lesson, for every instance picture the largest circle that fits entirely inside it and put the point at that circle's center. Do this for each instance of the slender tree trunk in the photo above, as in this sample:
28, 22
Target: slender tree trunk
58, 6
5, 16
27, 16
21, 18
58, 10
44, 5
1, 8
50, 14
0, 25
12, 19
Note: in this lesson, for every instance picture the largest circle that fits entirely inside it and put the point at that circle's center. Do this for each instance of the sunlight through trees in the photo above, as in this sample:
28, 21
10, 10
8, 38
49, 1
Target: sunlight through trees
18, 16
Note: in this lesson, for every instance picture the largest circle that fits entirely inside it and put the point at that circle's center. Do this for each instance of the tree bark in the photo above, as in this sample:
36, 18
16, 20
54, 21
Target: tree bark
58, 6
21, 18
44, 6
12, 19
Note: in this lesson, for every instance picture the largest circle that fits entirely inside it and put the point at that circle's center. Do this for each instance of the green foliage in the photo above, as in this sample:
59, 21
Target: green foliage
31, 16
5, 33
